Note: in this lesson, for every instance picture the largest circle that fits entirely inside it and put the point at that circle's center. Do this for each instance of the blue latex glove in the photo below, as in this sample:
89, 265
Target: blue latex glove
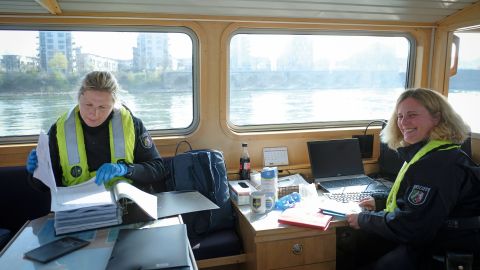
108, 171
287, 201
32, 161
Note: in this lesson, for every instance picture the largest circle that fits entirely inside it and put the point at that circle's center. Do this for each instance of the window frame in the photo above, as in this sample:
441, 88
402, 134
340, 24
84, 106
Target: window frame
454, 65
139, 29
409, 81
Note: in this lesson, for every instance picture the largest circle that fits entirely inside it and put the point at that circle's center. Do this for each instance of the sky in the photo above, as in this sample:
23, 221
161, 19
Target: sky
117, 45
272, 46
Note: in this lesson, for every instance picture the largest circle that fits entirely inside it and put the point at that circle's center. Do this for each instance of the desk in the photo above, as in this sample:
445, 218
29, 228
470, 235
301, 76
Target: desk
94, 256
271, 245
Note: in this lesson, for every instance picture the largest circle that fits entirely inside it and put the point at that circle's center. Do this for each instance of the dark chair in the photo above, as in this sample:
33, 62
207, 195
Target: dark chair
5, 236
24, 202
217, 248
453, 261
217, 244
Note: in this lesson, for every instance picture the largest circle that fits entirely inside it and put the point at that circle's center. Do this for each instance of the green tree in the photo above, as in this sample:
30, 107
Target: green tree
58, 62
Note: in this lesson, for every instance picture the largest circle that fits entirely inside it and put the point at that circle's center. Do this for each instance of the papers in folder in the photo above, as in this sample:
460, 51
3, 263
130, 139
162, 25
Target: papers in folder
89, 206
86, 194
44, 171
338, 209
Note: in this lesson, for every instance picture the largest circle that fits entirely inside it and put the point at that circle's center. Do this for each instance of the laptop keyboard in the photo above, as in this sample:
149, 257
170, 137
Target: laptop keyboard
349, 196
347, 182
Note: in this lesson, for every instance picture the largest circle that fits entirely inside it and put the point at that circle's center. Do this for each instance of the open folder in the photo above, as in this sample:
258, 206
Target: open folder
151, 248
89, 206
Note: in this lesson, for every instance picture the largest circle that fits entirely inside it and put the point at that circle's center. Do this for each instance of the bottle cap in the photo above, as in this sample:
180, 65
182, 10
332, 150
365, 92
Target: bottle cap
244, 144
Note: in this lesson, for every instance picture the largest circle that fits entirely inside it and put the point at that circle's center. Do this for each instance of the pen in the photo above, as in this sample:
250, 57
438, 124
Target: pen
332, 213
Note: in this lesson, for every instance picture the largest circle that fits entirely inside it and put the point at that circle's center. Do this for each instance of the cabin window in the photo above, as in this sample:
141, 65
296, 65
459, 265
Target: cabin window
41, 70
300, 80
464, 92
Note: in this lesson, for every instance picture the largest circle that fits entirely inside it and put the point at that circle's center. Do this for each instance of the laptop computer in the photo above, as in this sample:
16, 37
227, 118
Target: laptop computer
337, 166
164, 247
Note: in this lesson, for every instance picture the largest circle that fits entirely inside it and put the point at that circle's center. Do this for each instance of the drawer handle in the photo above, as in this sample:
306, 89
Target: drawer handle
297, 249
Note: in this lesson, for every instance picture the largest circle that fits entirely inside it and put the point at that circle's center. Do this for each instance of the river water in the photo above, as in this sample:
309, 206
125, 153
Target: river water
28, 113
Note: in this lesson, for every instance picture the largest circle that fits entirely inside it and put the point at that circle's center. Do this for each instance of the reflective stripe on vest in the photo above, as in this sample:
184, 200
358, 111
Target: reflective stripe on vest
73, 157
431, 145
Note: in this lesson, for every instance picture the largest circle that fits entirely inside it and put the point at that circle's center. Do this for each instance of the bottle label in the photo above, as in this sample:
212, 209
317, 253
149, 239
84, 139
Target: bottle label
269, 177
246, 166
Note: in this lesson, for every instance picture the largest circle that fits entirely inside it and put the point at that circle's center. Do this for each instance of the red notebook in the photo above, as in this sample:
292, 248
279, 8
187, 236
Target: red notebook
301, 217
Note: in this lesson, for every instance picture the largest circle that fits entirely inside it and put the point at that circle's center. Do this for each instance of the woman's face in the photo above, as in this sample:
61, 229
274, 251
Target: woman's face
414, 120
95, 107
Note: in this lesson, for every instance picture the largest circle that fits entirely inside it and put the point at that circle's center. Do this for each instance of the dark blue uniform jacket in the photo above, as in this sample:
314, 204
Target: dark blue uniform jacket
441, 186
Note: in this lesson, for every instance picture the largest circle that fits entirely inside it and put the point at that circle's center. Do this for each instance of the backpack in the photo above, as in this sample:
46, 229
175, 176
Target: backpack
205, 172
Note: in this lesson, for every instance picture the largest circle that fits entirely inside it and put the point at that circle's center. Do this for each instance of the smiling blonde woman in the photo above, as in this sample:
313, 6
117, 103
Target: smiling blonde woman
434, 204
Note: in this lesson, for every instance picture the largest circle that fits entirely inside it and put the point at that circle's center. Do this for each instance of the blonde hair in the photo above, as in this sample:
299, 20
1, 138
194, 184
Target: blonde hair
451, 126
103, 81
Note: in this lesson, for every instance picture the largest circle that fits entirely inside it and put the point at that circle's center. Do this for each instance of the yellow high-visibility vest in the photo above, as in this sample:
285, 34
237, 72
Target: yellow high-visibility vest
392, 196
71, 144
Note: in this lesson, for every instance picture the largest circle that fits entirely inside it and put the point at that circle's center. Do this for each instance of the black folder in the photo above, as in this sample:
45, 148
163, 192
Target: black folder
151, 248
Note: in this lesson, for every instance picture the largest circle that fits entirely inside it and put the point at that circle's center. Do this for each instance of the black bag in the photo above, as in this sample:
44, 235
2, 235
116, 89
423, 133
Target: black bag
205, 172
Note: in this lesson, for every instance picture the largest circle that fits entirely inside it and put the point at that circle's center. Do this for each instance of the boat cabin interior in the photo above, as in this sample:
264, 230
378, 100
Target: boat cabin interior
274, 74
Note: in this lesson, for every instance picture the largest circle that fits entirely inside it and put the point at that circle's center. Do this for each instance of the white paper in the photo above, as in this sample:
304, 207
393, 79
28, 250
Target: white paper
146, 201
44, 171
339, 207
82, 195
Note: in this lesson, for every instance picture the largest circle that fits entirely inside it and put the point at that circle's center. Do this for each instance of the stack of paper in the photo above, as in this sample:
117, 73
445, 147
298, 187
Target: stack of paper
83, 207
87, 206
87, 218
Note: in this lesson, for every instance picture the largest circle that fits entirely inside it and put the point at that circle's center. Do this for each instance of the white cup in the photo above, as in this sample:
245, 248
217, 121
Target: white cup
260, 202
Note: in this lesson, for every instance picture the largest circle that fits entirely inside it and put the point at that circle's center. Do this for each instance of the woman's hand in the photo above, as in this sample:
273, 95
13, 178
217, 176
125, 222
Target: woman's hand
32, 161
352, 220
108, 171
367, 203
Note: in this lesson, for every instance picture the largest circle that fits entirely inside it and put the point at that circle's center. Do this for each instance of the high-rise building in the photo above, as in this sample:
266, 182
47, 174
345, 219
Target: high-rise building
55, 51
299, 51
240, 57
151, 52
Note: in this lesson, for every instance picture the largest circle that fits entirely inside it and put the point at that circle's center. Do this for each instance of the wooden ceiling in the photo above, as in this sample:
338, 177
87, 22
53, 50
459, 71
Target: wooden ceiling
426, 11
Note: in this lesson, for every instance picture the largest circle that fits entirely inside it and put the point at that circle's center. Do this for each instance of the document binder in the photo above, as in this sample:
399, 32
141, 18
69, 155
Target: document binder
89, 206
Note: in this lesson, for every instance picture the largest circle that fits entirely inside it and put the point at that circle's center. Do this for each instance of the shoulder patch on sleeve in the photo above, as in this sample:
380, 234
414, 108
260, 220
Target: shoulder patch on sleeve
418, 195
146, 140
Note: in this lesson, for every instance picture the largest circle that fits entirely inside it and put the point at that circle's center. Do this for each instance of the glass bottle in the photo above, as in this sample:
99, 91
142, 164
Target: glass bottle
245, 163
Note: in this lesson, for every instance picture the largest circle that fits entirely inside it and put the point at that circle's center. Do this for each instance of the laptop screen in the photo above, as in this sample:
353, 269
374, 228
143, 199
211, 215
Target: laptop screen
333, 158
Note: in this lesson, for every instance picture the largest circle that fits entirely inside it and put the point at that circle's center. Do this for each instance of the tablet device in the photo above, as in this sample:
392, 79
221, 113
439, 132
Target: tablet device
55, 249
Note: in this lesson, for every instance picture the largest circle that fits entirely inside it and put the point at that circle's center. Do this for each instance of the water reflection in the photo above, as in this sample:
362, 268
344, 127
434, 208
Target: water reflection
27, 114
320, 105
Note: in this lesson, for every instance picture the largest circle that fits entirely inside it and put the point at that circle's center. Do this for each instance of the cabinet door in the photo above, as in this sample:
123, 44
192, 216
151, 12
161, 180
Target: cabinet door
297, 252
